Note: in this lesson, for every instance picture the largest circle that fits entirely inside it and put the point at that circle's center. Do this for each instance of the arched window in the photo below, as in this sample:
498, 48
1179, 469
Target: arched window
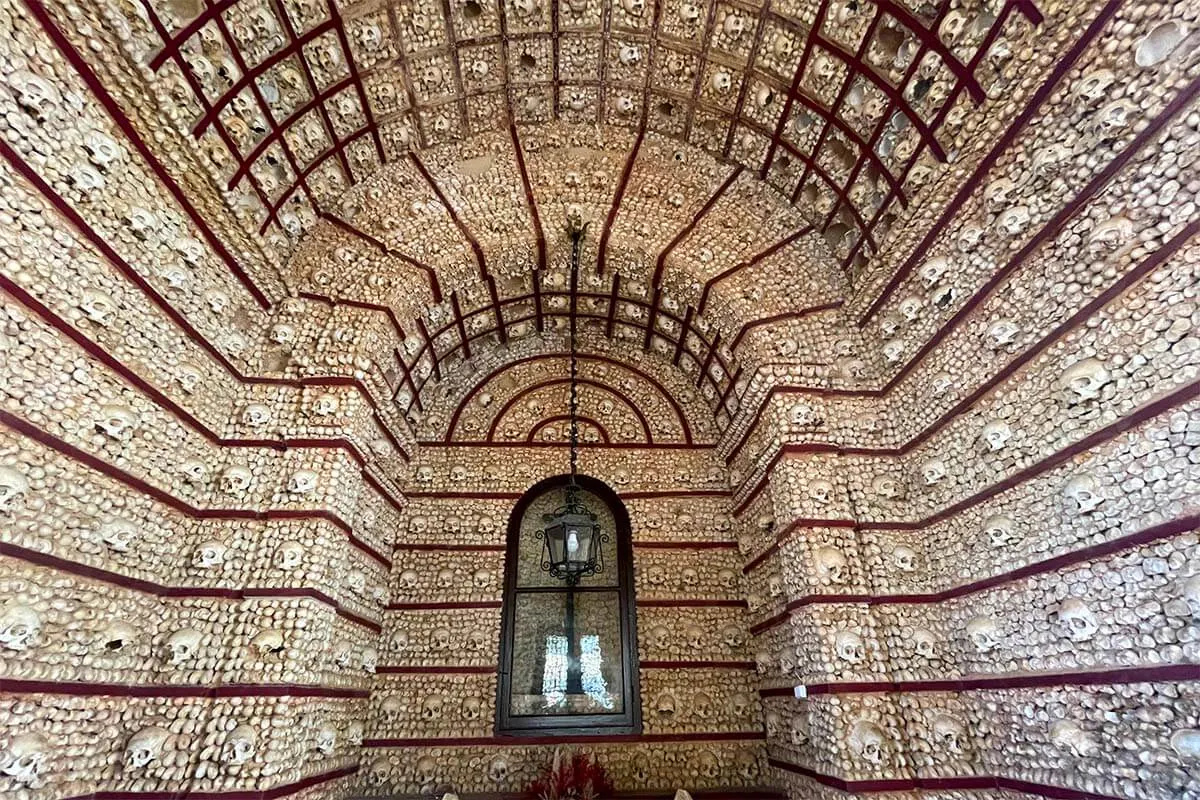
568, 652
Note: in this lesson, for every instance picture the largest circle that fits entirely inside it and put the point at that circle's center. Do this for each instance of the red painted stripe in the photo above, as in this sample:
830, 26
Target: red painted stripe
696, 665
957, 783
607, 388
472, 604
498, 548
752, 261
686, 231
101, 466
695, 545
1156, 533
173, 46
430, 273
684, 603
90, 689
619, 192
604, 437
530, 197
480, 258
434, 670
149, 587
476, 741
245, 794
96, 87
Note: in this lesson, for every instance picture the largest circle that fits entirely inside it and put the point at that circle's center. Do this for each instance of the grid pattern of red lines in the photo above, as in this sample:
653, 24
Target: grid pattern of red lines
719, 371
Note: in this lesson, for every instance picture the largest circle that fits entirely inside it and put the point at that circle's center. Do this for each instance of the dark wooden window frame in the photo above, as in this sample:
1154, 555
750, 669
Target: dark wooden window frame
630, 720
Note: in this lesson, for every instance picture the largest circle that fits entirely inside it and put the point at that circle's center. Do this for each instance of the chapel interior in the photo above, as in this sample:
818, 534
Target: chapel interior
790, 399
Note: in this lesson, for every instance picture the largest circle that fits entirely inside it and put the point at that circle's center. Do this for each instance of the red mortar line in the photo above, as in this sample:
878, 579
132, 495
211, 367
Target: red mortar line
931, 41
582, 445
798, 314
435, 547
793, 92
1134, 276
462, 328
466, 604
1061, 69
95, 689
687, 431
957, 783
244, 794
338, 148
637, 495
169, 405
1167, 673
110, 255
612, 738
97, 464
356, 77
686, 231
744, 665
85, 72
173, 44
480, 259
501, 327
530, 197
149, 587
537, 300
753, 261
622, 183
1151, 535
685, 603
604, 436
1178, 397
613, 391
435, 670
692, 545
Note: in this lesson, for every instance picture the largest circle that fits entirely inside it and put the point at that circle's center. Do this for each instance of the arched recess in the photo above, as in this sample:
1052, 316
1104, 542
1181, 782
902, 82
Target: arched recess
598, 626
586, 425
617, 397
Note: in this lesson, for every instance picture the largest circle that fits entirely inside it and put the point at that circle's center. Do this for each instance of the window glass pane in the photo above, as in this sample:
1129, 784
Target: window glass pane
552, 677
529, 564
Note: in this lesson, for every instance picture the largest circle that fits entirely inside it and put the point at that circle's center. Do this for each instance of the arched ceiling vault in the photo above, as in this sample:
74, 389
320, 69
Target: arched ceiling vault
738, 165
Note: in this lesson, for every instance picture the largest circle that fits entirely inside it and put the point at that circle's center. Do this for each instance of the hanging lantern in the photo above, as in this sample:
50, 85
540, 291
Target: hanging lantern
572, 542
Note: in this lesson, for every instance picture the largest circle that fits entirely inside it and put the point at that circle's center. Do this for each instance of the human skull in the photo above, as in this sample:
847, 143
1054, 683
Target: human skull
886, 487
282, 333
1002, 333
893, 350
325, 405
117, 421
189, 377
1083, 492
446, 579
326, 740
849, 646
182, 646
866, 739
727, 579
924, 643
24, 759
442, 639
710, 767
1014, 220
256, 414
933, 471
1084, 379
369, 658
97, 306
289, 555
802, 414
235, 480
115, 636
409, 579
267, 642
941, 383
20, 626
240, 746
905, 558
13, 488
690, 577
458, 474
664, 704
343, 650
34, 94
483, 579
660, 637
1081, 623
910, 307
722, 80
209, 554
354, 733
831, 565
498, 770
999, 193
801, 729
472, 708
821, 491
949, 734
1001, 530
931, 271
302, 481
144, 747
996, 434
1067, 734
984, 633
629, 54
117, 534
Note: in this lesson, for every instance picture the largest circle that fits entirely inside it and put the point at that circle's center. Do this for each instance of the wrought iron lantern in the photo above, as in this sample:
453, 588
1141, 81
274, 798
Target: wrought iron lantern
572, 541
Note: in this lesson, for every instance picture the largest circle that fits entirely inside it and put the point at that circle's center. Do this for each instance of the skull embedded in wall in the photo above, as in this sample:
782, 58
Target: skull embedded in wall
801, 729
773, 722
893, 350
446, 579
1082, 493
472, 708
1083, 380
866, 740
1013, 220
144, 747
13, 488
849, 646
19, 626
629, 54
905, 558
442, 639
369, 659
458, 474
693, 638
689, 577
302, 481
97, 306
209, 555
984, 633
289, 555
343, 651
117, 534
741, 703
999, 193
1066, 734
1001, 530
24, 759
354, 733
924, 643
326, 740
325, 405
1079, 620
116, 636
235, 481
931, 271
910, 307
1190, 590
378, 774
498, 770
34, 94
933, 471
831, 565
240, 746
117, 421
886, 487
821, 491
267, 643
732, 636
803, 415
189, 377
941, 383
996, 434
392, 709
182, 646
664, 704
1002, 333
1109, 236
256, 414
710, 767
949, 735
